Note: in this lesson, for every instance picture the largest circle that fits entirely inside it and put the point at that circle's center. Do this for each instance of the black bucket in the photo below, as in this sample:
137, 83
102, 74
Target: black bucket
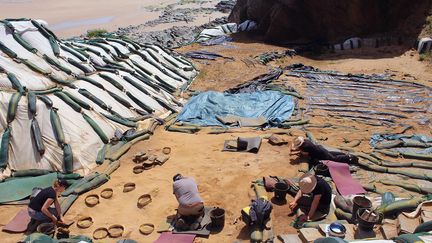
280, 190
217, 217
358, 203
367, 223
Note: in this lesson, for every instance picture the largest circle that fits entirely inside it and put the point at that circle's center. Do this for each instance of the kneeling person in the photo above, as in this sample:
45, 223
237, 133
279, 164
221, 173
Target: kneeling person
191, 206
313, 198
39, 208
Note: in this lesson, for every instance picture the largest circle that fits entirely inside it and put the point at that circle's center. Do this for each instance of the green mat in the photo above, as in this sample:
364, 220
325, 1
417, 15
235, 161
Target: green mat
21, 188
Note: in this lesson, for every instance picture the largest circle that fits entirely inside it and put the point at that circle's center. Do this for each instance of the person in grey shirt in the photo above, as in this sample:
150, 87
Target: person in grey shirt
191, 206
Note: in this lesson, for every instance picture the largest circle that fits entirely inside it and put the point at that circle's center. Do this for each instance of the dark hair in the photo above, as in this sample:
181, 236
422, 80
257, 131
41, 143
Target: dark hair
61, 182
177, 177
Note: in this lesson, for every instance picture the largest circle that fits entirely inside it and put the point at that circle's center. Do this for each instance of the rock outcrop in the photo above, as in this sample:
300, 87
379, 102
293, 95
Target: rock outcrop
332, 21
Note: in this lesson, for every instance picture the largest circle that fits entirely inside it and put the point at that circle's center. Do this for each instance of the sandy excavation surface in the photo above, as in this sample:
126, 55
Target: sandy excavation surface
73, 18
224, 178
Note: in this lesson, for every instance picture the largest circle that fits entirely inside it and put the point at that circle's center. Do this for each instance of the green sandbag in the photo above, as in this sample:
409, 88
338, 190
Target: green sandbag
57, 80
136, 134
96, 128
79, 50
120, 120
39, 238
73, 52
400, 206
96, 182
23, 42
92, 81
100, 158
52, 40
21, 187
13, 106
67, 158
93, 98
15, 83
114, 165
68, 101
66, 202
80, 102
341, 215
56, 64
120, 99
37, 137
115, 155
408, 238
140, 103
57, 127
147, 80
30, 172
71, 176
4, 149
47, 91
34, 67
424, 227
48, 102
31, 97
407, 186
71, 188
315, 224
136, 85
80, 66
7, 51
112, 81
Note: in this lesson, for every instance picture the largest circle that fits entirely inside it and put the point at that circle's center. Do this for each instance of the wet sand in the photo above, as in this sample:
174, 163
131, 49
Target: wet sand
73, 18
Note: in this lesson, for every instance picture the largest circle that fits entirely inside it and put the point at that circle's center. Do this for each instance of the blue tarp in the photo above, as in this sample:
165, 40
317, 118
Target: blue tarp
202, 109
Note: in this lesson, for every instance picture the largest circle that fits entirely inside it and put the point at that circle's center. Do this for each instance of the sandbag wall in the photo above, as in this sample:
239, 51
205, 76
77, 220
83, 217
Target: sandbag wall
61, 101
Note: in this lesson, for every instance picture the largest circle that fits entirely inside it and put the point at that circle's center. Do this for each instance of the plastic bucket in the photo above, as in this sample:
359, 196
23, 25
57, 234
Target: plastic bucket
358, 203
217, 217
280, 190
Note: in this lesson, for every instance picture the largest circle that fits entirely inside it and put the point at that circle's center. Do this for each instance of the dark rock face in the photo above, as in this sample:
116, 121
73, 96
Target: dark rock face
332, 21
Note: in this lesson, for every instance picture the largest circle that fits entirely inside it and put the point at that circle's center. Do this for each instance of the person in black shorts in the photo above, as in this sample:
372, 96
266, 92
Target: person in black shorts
313, 198
39, 207
305, 147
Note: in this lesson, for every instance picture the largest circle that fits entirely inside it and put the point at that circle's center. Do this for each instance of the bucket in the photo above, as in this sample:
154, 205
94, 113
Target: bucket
322, 170
367, 219
359, 202
217, 217
280, 190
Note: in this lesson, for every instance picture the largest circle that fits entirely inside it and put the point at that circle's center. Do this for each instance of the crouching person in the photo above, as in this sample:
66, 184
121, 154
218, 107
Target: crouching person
191, 207
39, 208
313, 198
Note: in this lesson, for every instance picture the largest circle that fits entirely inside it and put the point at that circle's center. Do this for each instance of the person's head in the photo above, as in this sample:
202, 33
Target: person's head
60, 185
307, 183
177, 177
297, 143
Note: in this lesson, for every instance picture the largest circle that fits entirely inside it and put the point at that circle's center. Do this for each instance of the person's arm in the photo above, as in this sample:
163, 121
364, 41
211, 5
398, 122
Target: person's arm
314, 206
58, 209
45, 210
294, 152
293, 204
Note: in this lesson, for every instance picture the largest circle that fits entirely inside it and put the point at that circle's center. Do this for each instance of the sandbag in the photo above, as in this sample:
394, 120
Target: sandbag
120, 120
93, 98
96, 128
67, 158
101, 154
48, 102
30, 173
92, 81
4, 149
71, 188
66, 202
138, 102
80, 102
114, 165
13, 106
57, 127
120, 99
7, 51
68, 101
31, 97
112, 81
37, 137
56, 64
424, 227
115, 155
96, 182
15, 83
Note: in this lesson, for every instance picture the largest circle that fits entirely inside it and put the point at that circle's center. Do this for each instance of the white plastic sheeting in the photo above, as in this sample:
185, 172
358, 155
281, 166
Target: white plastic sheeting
225, 29
145, 76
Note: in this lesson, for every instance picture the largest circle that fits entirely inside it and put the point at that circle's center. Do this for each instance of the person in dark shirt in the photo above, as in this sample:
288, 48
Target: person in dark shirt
313, 198
39, 207
305, 147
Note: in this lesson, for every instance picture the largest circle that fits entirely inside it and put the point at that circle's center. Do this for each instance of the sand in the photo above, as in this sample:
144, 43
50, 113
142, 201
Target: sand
73, 18
223, 177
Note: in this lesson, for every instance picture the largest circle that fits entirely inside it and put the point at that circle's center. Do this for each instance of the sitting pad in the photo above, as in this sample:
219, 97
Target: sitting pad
205, 225
168, 237
19, 223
